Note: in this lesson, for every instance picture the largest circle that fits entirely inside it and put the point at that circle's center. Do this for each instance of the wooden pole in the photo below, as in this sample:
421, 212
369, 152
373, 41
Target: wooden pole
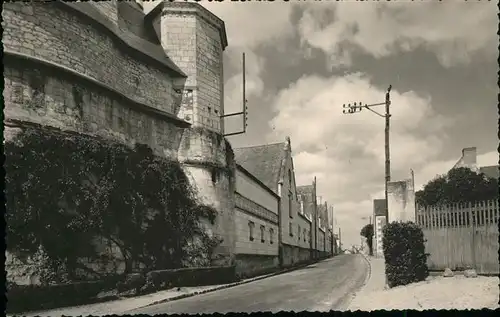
387, 152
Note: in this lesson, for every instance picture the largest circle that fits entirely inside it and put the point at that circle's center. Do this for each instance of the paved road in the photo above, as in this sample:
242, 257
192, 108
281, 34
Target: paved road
319, 287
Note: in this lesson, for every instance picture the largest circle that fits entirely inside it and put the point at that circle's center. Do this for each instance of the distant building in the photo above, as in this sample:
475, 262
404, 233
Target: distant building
379, 221
272, 164
469, 160
256, 211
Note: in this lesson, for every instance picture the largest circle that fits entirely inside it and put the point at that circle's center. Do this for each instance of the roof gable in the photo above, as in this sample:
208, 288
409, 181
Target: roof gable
263, 161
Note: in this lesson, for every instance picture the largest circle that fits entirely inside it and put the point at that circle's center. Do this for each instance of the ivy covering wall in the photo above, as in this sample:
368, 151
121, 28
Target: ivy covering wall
65, 190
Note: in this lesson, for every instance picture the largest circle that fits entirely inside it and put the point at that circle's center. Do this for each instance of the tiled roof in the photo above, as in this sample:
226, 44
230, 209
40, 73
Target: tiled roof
490, 171
263, 161
305, 189
131, 17
379, 207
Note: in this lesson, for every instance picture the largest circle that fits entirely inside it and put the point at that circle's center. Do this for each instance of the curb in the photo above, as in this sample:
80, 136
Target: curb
459, 273
368, 276
166, 300
350, 297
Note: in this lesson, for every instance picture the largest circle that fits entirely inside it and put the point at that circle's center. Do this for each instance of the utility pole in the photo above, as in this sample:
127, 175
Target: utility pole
326, 227
357, 107
340, 240
414, 191
315, 221
387, 153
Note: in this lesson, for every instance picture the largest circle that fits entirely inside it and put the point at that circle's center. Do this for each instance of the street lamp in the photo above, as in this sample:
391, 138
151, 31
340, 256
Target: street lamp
357, 107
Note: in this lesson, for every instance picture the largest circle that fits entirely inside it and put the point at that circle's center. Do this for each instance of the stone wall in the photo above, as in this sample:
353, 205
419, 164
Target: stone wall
401, 201
108, 9
293, 255
255, 235
249, 265
73, 104
321, 240
253, 190
35, 29
256, 225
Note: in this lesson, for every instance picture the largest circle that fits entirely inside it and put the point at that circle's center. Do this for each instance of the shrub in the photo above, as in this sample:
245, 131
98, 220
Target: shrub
404, 252
65, 189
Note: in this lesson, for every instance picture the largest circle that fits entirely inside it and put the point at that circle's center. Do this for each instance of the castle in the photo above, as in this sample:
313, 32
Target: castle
106, 68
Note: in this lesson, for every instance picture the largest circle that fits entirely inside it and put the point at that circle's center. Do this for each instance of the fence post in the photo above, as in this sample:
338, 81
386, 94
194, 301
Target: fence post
472, 219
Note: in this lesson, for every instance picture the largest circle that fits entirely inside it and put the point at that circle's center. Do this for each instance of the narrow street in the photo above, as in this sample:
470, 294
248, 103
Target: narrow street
319, 287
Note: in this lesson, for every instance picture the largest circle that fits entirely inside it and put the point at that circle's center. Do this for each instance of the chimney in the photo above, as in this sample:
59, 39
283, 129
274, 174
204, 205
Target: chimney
469, 157
194, 39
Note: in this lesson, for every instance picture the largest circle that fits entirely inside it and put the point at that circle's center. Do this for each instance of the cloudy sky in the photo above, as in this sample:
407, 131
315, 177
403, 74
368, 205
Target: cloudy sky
306, 59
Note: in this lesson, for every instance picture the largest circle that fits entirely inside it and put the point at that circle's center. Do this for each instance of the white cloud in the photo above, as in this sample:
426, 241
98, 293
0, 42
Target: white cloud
347, 153
250, 24
453, 30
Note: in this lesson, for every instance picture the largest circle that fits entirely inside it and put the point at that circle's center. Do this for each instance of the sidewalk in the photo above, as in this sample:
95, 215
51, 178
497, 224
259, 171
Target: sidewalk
436, 292
374, 284
121, 306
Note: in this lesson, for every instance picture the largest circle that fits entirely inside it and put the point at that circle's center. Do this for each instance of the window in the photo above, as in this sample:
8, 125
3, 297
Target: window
251, 225
290, 229
262, 229
298, 232
305, 231
271, 235
290, 179
290, 205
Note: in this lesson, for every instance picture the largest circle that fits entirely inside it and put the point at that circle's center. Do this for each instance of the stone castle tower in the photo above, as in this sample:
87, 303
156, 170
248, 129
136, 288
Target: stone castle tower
194, 39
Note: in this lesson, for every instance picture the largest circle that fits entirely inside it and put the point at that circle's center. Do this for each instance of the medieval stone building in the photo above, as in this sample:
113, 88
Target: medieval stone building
105, 68
108, 69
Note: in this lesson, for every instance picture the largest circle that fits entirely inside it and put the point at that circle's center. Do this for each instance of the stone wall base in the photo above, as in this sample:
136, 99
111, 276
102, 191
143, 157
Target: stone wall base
249, 265
293, 255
